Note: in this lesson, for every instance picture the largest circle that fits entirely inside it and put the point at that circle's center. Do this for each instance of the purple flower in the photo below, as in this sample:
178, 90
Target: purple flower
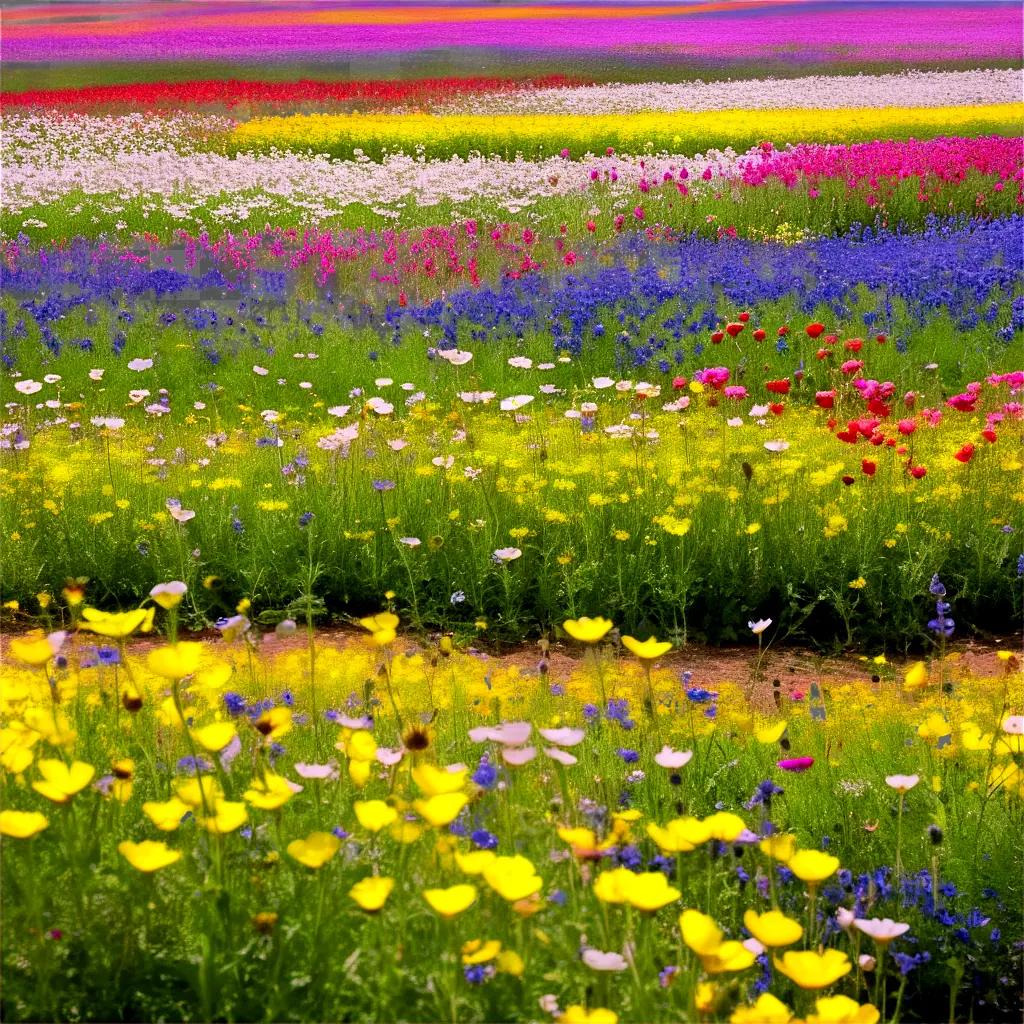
383, 485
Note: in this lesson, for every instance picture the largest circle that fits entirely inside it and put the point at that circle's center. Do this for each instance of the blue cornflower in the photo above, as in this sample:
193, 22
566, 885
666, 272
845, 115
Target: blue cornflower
558, 897
484, 840
591, 712
763, 794
288, 699
108, 655
457, 598
383, 485
193, 765
627, 755
235, 703
698, 695
475, 974
305, 519
486, 774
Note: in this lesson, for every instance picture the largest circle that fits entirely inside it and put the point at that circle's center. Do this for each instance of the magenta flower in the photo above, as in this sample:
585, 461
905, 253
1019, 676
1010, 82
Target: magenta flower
795, 764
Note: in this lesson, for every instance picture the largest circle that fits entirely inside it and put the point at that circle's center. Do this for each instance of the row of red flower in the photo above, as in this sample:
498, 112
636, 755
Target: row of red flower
231, 93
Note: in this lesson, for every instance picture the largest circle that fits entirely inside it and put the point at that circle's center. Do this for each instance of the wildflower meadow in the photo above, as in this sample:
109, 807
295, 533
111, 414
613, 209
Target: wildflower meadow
512, 513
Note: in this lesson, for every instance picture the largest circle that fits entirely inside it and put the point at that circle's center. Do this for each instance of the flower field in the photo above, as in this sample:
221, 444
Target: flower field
512, 513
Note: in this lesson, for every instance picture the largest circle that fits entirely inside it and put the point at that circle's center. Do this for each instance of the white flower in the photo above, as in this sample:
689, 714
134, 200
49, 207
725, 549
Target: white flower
561, 756
669, 758
902, 783
182, 515
515, 402
734, 421
507, 554
379, 406
883, 929
138, 394
174, 589
1014, 725
383, 382
410, 542
28, 387
454, 356
474, 397
138, 365
757, 628
338, 410
598, 961
513, 734
776, 446
260, 371
52, 378
517, 756
521, 362
602, 382
566, 736
96, 374
845, 918
757, 411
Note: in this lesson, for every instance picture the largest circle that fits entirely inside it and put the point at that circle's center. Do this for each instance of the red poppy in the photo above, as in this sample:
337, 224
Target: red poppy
717, 337
814, 330
854, 345
990, 435
867, 467
733, 329
782, 331
679, 382
778, 387
743, 317
965, 454
825, 399
823, 353
881, 339
847, 479
917, 471
777, 408
760, 334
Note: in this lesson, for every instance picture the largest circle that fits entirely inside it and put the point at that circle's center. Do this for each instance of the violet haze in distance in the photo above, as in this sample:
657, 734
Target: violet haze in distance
902, 33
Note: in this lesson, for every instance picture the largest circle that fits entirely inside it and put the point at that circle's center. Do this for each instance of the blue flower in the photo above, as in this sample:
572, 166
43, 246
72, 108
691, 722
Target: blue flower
484, 840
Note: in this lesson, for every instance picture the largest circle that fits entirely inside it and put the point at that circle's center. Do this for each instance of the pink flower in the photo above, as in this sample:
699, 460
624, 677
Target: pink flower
795, 764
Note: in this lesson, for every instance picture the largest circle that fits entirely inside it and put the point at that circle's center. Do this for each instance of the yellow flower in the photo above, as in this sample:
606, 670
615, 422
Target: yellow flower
195, 790
934, 727
680, 835
372, 893
813, 866
586, 630
770, 733
513, 878
767, 1010
610, 886
474, 862
510, 962
752, 528
649, 650
577, 1014
374, 815
35, 649
728, 958
167, 815
814, 970
175, 661
274, 723
916, 677
842, 1010
215, 736
772, 928
148, 856
436, 781
451, 901
360, 746
315, 850
118, 625
383, 626
700, 932
779, 846
858, 584
477, 952
725, 827
270, 792
650, 891
441, 810
22, 824
226, 817
60, 783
